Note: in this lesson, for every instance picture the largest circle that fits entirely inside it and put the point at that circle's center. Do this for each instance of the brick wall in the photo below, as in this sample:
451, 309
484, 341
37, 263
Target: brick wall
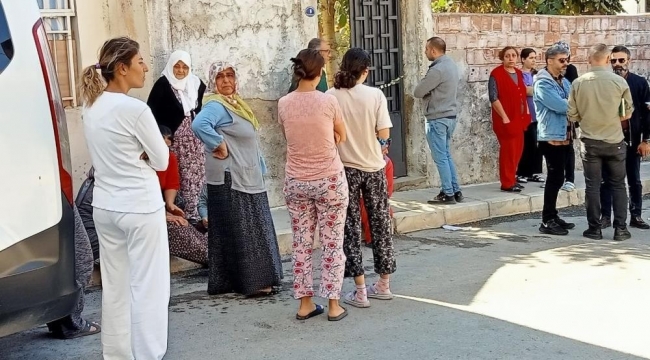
482, 36
474, 40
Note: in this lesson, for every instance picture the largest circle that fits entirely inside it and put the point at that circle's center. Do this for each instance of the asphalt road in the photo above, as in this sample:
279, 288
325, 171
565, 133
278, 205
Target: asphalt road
496, 289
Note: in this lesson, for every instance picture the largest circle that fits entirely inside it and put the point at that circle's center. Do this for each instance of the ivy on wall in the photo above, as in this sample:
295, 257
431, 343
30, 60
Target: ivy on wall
543, 7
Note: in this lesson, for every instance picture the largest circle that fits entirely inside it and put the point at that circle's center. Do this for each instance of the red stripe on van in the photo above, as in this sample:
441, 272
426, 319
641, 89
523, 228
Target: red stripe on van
56, 108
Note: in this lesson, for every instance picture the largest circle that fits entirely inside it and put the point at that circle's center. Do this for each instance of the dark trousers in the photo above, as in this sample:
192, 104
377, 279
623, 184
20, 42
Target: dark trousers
570, 165
633, 172
531, 159
596, 156
555, 156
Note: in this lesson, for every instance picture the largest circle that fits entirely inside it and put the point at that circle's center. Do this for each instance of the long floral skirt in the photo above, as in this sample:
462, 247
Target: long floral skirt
191, 165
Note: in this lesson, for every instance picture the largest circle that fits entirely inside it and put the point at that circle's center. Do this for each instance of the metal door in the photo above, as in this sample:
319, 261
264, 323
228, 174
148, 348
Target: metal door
375, 27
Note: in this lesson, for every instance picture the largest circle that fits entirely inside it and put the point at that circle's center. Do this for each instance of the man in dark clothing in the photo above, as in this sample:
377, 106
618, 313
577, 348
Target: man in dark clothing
324, 48
571, 72
637, 133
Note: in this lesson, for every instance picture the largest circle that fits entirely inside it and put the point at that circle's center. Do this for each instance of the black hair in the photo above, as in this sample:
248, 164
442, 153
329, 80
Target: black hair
165, 131
438, 44
355, 62
308, 64
623, 49
525, 53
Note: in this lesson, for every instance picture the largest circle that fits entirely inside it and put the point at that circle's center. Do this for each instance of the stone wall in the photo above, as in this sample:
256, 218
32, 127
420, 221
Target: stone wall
474, 42
258, 36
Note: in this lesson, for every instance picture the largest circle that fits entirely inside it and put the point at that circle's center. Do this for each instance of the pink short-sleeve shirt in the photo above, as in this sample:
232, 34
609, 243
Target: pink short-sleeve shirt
308, 120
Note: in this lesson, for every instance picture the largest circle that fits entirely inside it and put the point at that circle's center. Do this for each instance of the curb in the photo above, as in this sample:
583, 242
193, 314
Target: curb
427, 217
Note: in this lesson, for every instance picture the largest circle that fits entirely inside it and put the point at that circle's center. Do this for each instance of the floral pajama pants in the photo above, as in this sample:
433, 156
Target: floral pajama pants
319, 203
373, 188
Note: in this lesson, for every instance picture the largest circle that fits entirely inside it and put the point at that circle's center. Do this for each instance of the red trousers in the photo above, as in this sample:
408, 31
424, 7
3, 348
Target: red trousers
365, 224
511, 147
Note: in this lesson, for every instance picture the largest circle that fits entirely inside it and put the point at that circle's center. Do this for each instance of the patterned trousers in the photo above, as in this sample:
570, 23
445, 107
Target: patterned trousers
319, 203
73, 323
372, 186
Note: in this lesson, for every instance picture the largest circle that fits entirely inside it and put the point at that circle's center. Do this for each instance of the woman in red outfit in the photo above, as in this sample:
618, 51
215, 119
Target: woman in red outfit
185, 241
510, 116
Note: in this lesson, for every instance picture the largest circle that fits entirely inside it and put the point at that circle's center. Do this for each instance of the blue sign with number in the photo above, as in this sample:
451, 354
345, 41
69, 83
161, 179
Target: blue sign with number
310, 11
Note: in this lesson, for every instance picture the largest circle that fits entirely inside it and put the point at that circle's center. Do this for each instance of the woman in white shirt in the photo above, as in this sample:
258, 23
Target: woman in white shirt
126, 150
366, 118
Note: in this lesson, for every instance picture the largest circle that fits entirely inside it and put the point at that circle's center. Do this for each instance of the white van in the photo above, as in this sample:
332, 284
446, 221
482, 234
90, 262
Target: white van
36, 220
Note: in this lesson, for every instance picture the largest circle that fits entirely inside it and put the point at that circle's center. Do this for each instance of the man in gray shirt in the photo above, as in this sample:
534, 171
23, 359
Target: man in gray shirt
438, 92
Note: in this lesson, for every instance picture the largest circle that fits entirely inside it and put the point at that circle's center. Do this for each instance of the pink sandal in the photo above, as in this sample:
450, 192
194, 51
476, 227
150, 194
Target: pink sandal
374, 294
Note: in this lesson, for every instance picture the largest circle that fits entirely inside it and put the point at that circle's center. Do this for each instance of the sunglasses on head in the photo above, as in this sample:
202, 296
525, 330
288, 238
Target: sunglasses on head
619, 60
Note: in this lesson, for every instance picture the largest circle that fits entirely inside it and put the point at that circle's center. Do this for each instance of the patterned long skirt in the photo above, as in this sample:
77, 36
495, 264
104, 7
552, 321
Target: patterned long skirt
186, 242
191, 164
243, 251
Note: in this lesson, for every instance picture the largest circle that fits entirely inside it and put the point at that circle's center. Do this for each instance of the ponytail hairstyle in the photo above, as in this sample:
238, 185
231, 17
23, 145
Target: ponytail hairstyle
114, 52
308, 64
355, 62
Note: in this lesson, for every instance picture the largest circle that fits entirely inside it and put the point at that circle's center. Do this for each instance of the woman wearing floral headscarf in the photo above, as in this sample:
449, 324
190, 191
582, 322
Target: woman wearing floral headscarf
243, 252
175, 99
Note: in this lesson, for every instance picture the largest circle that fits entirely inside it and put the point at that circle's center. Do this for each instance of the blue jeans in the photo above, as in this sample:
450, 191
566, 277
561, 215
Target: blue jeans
439, 132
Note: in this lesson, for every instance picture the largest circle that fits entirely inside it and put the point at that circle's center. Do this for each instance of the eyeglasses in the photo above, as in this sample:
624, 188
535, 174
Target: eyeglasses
619, 60
563, 60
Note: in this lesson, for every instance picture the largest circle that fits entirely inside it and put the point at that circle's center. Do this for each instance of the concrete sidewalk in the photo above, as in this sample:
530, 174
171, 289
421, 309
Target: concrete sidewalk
482, 201
412, 213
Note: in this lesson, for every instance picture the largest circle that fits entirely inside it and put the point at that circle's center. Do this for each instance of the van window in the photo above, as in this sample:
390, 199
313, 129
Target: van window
6, 45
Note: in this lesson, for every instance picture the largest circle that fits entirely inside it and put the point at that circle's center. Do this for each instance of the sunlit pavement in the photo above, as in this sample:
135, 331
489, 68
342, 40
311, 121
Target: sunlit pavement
496, 290
597, 293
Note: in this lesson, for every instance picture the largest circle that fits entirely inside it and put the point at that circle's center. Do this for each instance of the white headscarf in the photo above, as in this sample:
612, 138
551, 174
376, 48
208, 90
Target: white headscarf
187, 87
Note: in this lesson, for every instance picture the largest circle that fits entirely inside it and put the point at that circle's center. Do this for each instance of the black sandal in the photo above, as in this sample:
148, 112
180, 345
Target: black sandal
319, 310
86, 331
273, 291
340, 316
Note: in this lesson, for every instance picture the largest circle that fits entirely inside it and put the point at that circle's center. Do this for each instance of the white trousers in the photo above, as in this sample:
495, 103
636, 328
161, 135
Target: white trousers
134, 260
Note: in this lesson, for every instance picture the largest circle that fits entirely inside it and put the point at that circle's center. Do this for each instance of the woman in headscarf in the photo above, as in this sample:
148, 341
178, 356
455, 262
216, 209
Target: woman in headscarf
243, 251
175, 99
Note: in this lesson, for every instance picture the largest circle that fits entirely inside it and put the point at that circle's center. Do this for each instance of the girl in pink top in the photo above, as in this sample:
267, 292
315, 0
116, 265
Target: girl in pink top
315, 188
